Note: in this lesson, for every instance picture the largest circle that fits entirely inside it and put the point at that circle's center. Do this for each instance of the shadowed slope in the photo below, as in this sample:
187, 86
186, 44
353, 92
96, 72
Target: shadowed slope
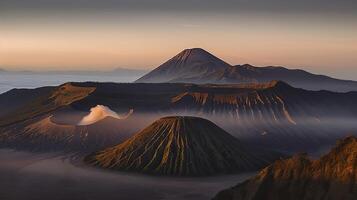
16, 98
332, 177
183, 146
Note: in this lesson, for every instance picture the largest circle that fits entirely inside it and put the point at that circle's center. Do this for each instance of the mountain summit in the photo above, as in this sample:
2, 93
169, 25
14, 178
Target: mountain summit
200, 67
182, 146
187, 65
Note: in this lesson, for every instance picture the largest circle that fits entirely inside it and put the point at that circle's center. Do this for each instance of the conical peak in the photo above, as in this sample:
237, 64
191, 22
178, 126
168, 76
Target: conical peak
181, 124
181, 118
190, 64
195, 54
196, 51
179, 145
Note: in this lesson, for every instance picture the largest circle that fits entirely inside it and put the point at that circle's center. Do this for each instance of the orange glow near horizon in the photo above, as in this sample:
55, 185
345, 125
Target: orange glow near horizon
145, 45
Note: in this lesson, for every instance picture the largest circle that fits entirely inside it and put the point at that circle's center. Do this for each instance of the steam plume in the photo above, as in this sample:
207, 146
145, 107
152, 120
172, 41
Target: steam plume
100, 112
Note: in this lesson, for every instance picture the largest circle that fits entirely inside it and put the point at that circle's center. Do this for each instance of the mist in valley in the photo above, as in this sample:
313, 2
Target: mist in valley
34, 176
305, 135
28, 175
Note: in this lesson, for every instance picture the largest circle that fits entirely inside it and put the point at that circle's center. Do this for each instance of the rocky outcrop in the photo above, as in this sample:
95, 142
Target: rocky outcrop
182, 146
332, 177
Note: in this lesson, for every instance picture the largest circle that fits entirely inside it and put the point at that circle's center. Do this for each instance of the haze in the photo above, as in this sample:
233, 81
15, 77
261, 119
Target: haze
319, 36
34, 176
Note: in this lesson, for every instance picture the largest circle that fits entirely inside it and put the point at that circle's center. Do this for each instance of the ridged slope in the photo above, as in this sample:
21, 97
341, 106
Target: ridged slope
332, 177
246, 101
272, 115
181, 146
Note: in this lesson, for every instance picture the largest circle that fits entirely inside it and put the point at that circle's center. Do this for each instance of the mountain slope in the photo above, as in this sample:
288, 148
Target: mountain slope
198, 66
295, 77
44, 102
16, 98
273, 115
46, 134
186, 66
333, 177
183, 146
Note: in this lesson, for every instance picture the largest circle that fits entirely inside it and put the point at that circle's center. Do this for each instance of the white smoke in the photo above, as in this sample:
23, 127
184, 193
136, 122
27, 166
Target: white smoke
100, 112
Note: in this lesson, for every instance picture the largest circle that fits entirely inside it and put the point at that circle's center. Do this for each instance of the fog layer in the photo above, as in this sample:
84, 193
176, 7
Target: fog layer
28, 176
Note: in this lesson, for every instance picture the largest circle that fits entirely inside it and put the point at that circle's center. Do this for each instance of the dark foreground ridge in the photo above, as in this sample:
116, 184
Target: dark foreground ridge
333, 177
182, 146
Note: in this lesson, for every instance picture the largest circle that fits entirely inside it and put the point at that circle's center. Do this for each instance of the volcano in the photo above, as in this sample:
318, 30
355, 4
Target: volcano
46, 134
182, 146
190, 65
201, 67
333, 176
271, 115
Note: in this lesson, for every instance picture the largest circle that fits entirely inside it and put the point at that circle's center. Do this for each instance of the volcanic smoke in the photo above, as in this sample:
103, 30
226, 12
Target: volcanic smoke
100, 112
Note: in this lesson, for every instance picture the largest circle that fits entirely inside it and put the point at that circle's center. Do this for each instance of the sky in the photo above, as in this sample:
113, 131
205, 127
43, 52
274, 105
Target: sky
316, 35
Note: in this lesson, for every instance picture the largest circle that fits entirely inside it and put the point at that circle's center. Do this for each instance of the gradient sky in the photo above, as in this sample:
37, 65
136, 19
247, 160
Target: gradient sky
316, 35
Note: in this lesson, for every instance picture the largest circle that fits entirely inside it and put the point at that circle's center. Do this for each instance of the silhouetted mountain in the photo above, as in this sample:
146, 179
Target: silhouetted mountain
295, 77
333, 177
191, 65
183, 146
198, 66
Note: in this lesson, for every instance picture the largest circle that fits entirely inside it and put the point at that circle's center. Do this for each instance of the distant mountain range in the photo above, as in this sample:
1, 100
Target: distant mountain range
333, 177
199, 66
183, 146
115, 72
